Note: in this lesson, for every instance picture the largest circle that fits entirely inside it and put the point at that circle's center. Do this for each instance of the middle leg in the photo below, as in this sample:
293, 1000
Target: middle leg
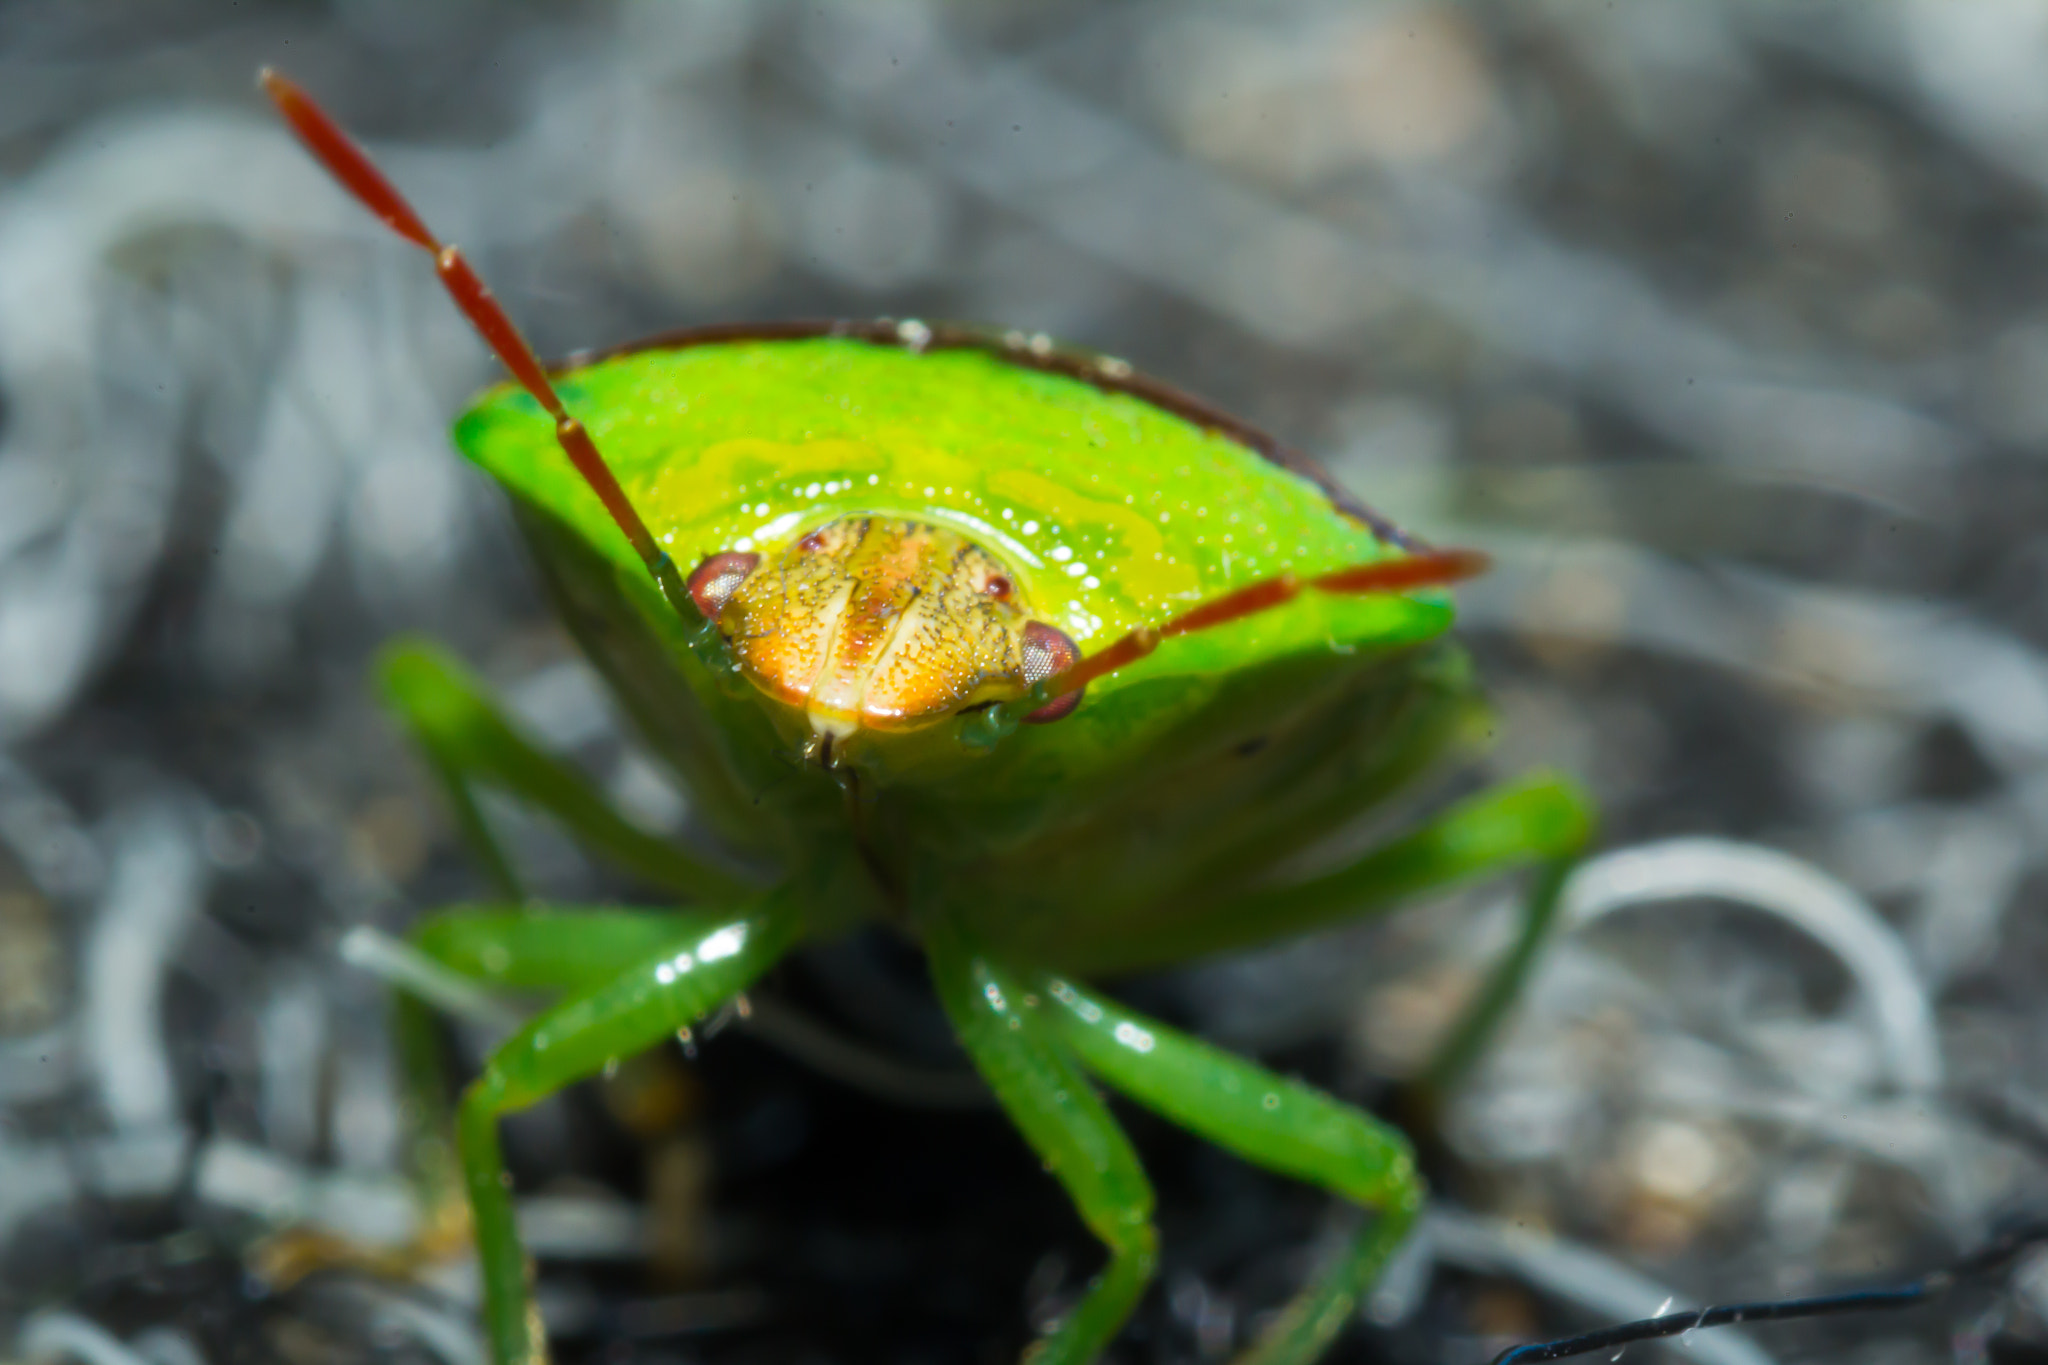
470, 743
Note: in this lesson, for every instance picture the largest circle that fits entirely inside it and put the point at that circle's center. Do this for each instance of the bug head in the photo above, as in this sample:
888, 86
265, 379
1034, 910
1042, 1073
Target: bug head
880, 625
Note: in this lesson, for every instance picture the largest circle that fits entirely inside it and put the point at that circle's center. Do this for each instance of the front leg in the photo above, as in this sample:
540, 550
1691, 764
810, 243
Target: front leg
1282, 1125
469, 743
667, 990
1066, 1123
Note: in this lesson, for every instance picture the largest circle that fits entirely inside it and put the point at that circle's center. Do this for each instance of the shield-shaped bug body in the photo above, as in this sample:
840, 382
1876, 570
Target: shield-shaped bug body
1036, 659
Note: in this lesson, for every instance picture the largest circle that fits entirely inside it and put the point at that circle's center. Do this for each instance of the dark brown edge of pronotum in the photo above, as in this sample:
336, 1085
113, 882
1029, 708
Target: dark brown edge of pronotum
1033, 351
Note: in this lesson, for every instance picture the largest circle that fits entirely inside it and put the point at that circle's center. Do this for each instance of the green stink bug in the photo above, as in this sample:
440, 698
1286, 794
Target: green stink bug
1040, 662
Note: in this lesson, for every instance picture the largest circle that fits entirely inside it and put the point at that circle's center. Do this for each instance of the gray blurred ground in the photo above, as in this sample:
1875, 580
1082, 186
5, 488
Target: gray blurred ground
1719, 322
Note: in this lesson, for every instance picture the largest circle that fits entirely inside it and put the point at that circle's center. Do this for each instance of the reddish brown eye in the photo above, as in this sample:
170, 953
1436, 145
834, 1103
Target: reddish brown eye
713, 582
997, 587
813, 542
1046, 652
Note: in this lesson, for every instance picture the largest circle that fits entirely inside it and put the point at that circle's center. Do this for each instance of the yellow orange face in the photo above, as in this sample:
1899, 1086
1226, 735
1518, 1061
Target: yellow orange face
880, 624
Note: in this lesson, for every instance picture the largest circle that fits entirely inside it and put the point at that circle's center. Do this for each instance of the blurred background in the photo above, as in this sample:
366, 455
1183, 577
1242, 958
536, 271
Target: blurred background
1718, 321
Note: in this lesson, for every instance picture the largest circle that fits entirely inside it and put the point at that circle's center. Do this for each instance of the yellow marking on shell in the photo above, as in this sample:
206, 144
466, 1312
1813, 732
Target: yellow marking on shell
873, 623
1144, 546
746, 461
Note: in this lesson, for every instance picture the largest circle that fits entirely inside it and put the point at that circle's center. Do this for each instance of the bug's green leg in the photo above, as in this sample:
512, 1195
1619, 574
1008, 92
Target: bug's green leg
1538, 819
1546, 820
668, 989
1474, 1028
469, 743
1069, 1127
553, 949
1273, 1122
431, 1161
289, 1254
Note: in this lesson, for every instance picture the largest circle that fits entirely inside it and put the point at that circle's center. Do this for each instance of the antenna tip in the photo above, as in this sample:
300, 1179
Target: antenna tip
278, 86
1462, 563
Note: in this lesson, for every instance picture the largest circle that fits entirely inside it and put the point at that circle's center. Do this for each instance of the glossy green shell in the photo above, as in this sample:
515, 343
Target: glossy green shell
1111, 511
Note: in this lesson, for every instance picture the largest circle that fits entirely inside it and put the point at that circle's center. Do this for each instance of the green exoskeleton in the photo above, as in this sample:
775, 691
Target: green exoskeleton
1046, 665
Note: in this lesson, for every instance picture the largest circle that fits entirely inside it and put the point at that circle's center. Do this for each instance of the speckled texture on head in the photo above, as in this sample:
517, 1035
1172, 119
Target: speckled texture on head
877, 623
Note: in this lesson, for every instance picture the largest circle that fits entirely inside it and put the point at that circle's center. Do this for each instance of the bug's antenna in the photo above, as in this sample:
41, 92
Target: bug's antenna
352, 166
1424, 569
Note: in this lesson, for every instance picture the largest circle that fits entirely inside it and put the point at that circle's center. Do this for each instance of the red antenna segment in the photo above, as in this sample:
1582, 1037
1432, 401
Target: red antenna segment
350, 165
1428, 568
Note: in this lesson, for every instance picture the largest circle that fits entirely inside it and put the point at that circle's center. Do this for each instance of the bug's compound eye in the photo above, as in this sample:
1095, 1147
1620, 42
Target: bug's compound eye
713, 582
1048, 651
